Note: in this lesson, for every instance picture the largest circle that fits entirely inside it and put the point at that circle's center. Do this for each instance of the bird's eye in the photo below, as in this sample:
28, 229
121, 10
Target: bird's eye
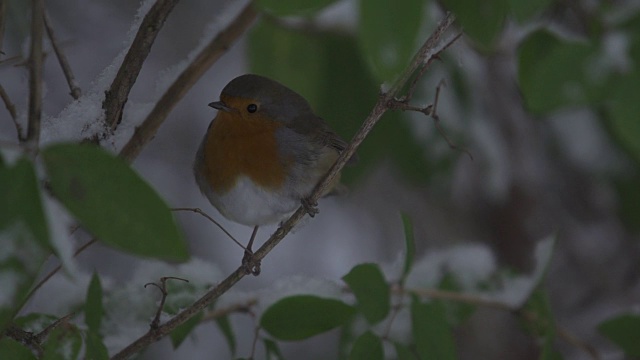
252, 108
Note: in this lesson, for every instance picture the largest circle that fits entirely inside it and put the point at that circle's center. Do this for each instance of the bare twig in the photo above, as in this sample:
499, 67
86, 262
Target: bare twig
42, 335
235, 308
11, 108
53, 272
376, 113
199, 211
207, 57
35, 341
163, 288
35, 73
118, 93
62, 59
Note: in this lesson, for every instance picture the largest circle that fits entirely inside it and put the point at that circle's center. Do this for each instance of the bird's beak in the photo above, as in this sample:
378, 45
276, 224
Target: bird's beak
219, 105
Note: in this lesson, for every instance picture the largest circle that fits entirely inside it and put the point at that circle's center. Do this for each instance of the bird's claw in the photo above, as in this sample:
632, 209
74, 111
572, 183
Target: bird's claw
250, 264
311, 207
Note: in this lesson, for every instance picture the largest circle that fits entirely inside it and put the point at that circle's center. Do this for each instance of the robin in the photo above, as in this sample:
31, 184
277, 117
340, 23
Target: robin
263, 154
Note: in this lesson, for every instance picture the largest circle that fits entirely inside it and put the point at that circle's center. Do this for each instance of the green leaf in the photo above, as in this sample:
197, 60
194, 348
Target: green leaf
292, 7
95, 347
409, 244
629, 201
403, 352
113, 202
330, 72
11, 349
182, 331
431, 331
367, 347
624, 331
24, 237
93, 309
272, 350
525, 10
457, 312
482, 21
387, 32
371, 290
225, 326
544, 323
303, 316
554, 73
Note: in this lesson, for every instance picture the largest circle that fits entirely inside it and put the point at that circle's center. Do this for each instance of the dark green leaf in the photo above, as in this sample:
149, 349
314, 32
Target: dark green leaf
403, 352
409, 244
303, 316
181, 332
95, 347
543, 323
624, 331
11, 349
554, 73
113, 202
431, 331
93, 310
292, 7
387, 32
482, 21
629, 201
272, 350
367, 283
24, 238
367, 347
225, 326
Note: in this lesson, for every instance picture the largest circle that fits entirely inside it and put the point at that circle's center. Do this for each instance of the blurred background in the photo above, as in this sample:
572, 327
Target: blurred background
545, 102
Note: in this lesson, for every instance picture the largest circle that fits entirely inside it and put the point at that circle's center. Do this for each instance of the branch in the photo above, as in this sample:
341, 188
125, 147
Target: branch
35, 73
62, 59
207, 57
11, 108
3, 12
429, 47
118, 93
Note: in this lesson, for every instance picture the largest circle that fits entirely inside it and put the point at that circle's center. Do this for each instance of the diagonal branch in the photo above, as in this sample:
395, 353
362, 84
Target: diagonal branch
118, 93
35, 73
207, 57
62, 59
11, 108
427, 50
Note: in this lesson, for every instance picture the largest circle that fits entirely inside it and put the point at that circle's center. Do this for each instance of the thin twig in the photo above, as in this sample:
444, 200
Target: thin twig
62, 59
376, 113
35, 74
199, 211
207, 57
163, 288
118, 93
235, 308
53, 272
42, 335
11, 108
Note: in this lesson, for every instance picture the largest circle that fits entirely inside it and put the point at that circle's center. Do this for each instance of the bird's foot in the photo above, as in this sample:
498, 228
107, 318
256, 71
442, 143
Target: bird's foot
250, 264
311, 207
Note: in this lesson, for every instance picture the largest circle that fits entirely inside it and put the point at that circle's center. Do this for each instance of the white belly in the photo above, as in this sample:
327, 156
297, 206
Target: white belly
249, 204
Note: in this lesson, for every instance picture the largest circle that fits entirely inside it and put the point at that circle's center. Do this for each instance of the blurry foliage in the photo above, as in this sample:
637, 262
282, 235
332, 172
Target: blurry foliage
340, 74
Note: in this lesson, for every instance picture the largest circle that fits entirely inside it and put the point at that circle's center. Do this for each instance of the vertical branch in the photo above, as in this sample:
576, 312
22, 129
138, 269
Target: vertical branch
118, 93
62, 59
35, 73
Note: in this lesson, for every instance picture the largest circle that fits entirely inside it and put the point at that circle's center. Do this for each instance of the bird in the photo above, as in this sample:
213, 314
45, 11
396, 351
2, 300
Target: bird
263, 154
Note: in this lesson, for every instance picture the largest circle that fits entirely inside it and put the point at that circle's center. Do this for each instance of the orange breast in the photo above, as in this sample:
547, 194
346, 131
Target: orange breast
237, 146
